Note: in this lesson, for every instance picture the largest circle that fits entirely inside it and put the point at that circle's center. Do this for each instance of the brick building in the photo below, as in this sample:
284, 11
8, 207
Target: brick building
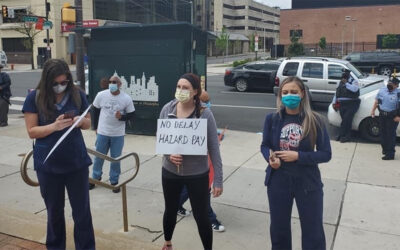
338, 24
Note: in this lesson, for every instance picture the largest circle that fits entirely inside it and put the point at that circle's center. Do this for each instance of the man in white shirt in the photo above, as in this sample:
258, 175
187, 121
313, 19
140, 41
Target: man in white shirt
115, 108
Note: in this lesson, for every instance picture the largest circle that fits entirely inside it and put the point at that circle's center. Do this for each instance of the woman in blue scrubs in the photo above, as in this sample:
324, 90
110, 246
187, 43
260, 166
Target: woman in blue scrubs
49, 111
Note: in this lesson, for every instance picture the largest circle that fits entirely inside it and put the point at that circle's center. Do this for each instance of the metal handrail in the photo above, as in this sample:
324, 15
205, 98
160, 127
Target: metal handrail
29, 181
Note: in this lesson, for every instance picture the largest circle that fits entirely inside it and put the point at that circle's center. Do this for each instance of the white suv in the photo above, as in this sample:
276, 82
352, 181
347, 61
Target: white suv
321, 75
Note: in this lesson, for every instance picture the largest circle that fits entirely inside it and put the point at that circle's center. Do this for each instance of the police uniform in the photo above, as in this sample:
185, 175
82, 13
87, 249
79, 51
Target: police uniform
347, 94
388, 105
66, 168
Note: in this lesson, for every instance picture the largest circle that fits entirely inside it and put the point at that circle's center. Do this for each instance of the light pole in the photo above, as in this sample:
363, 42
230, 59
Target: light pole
343, 26
353, 20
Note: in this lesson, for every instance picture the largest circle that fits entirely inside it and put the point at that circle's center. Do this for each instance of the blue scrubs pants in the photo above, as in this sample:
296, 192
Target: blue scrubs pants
283, 188
52, 189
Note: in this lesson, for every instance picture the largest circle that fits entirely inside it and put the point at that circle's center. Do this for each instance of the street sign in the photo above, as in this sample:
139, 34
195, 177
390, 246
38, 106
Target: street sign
66, 27
256, 46
31, 19
256, 39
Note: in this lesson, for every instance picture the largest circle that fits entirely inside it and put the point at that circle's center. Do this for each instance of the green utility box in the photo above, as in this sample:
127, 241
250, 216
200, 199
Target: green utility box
149, 59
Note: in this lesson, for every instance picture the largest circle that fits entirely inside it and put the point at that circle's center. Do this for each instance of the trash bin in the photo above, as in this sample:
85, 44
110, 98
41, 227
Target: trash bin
149, 60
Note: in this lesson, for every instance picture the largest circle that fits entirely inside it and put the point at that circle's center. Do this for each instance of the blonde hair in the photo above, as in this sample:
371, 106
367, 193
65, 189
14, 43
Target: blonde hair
311, 119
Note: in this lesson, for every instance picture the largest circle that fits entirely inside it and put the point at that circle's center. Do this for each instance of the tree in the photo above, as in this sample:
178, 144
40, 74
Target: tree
295, 48
222, 41
252, 43
322, 43
390, 41
29, 31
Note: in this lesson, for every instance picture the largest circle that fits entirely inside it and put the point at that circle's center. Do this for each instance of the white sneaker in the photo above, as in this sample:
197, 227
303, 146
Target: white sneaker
218, 227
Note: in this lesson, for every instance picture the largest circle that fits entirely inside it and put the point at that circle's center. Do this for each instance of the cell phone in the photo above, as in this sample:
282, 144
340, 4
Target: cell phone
69, 114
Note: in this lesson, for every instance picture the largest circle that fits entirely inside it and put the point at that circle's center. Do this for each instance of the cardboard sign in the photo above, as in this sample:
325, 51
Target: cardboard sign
182, 136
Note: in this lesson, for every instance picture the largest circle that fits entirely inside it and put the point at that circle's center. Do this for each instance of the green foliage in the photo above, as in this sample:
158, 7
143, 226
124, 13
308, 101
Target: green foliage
252, 41
389, 41
222, 40
322, 42
240, 62
295, 48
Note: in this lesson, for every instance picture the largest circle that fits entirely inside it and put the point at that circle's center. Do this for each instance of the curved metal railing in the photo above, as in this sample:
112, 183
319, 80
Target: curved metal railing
122, 185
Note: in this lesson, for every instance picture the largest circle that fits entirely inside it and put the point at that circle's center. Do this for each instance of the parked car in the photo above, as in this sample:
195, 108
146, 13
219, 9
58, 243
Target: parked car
254, 75
363, 122
321, 75
383, 62
3, 58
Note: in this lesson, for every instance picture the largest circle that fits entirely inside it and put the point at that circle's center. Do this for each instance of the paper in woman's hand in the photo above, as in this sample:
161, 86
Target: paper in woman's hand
67, 132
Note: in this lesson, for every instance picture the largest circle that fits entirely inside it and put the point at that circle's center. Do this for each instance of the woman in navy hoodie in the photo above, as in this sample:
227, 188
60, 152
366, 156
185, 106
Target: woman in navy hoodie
295, 140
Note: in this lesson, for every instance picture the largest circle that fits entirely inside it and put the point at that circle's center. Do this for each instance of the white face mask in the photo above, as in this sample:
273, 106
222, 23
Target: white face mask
58, 89
182, 95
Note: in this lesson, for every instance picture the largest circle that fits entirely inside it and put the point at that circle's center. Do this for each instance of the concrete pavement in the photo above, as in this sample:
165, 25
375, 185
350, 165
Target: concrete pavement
361, 202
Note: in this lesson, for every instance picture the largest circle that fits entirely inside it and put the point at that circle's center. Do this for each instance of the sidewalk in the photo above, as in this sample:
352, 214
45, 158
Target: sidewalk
361, 202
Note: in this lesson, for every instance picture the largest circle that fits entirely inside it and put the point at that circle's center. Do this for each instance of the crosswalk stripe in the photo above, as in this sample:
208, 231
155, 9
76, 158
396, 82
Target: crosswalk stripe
17, 98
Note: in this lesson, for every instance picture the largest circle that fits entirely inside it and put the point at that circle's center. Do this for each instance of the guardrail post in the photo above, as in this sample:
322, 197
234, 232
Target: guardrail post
124, 208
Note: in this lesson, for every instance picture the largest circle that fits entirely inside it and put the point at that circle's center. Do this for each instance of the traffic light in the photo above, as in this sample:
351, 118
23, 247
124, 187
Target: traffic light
68, 13
50, 40
4, 11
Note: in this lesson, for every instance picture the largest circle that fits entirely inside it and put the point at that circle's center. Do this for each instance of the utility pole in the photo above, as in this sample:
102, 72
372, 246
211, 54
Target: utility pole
80, 71
48, 49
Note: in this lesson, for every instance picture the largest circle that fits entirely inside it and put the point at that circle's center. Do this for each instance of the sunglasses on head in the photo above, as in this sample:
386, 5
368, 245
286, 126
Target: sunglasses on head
113, 82
63, 83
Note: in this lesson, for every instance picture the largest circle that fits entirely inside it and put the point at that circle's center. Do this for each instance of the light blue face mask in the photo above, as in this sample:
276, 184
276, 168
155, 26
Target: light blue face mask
291, 101
113, 87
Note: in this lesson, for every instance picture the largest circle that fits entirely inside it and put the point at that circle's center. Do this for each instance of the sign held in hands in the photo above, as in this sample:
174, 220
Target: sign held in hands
182, 136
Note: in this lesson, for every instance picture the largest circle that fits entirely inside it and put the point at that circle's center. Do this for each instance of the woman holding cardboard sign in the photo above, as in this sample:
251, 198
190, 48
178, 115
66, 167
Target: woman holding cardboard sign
190, 170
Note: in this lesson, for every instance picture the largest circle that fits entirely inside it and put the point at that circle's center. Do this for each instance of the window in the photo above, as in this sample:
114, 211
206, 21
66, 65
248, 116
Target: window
354, 57
335, 72
253, 66
290, 69
269, 66
313, 70
297, 33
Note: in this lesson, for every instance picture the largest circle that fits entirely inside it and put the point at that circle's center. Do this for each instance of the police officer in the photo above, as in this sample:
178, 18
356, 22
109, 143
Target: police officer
347, 94
387, 101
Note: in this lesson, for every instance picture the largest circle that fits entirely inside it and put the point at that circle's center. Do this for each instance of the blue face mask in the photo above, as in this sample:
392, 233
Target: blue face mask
113, 87
291, 101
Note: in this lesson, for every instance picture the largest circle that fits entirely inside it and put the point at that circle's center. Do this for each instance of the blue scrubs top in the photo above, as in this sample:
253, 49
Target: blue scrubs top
71, 154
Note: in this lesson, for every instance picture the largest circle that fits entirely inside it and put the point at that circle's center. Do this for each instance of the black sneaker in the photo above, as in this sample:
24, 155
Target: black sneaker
91, 185
386, 157
218, 227
117, 190
183, 212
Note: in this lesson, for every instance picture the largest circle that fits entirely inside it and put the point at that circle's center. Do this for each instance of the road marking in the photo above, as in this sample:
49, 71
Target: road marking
16, 107
243, 107
245, 93
17, 98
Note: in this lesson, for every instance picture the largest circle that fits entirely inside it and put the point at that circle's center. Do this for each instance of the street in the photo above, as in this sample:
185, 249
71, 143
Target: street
234, 110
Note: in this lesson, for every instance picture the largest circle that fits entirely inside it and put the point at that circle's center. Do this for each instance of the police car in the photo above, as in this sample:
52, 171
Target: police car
362, 121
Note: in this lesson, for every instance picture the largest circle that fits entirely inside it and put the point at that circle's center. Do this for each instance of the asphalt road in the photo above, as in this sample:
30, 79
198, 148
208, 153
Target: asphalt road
234, 110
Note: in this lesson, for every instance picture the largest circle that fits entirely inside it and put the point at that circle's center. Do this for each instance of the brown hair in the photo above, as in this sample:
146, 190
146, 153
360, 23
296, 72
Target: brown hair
311, 120
52, 69
195, 82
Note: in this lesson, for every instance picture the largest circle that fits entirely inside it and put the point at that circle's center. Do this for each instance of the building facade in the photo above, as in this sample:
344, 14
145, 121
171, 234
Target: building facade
15, 44
355, 28
248, 18
313, 4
